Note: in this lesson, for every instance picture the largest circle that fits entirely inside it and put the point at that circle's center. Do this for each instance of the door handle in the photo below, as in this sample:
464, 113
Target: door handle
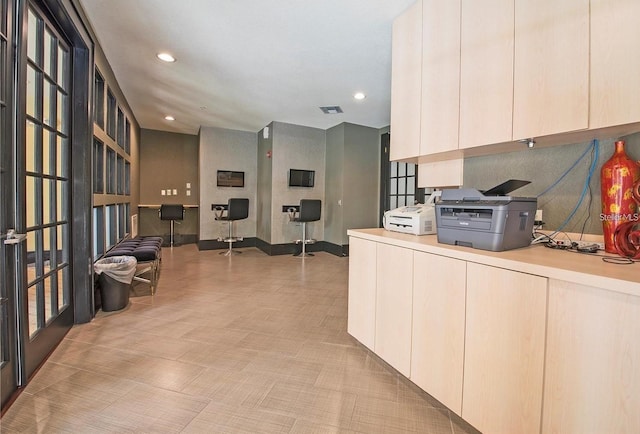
11, 237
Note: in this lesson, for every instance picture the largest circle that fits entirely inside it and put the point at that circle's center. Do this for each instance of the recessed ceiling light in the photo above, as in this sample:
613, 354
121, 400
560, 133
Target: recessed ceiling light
166, 57
170, 118
359, 95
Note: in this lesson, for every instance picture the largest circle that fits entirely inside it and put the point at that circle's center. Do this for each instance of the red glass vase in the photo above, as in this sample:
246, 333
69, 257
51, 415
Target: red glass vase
617, 178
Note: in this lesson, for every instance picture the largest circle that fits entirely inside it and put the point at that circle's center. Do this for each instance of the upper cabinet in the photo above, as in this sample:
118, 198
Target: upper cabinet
615, 64
486, 72
551, 67
440, 76
406, 79
494, 72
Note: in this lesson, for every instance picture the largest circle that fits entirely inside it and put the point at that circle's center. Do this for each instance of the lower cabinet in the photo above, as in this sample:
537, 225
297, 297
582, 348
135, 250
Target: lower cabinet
504, 350
491, 343
361, 320
394, 270
437, 349
592, 376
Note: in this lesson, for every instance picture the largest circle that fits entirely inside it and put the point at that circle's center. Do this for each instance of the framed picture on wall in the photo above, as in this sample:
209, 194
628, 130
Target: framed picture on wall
301, 178
230, 178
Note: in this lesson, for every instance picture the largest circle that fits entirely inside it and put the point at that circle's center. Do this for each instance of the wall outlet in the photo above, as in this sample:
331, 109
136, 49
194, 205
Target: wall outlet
163, 192
538, 215
175, 192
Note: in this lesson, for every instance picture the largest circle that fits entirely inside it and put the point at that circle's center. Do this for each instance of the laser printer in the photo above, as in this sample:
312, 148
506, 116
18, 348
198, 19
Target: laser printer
490, 220
418, 219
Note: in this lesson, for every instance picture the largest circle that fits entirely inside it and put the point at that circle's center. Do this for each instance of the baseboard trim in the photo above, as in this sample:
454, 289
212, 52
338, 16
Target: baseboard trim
219, 245
277, 249
336, 249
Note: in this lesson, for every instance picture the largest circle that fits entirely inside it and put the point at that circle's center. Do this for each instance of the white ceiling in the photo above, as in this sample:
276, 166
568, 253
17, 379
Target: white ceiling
244, 63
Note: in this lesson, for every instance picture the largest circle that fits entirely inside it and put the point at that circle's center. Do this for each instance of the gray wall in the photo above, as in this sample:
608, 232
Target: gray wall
295, 147
334, 186
224, 149
352, 183
543, 167
265, 184
361, 178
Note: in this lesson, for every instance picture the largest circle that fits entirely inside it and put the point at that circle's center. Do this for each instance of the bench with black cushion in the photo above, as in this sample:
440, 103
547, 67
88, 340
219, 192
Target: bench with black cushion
148, 253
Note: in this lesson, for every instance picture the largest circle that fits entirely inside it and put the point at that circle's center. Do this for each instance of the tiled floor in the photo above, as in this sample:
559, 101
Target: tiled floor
247, 344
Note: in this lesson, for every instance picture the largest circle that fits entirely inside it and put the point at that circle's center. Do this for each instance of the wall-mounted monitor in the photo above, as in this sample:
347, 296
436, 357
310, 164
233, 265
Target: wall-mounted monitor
301, 178
229, 178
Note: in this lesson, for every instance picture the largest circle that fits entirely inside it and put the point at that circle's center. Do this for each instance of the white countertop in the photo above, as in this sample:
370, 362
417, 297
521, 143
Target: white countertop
584, 269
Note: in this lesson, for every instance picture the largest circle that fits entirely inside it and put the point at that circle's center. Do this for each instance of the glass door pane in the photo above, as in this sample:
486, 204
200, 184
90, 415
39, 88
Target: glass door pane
402, 184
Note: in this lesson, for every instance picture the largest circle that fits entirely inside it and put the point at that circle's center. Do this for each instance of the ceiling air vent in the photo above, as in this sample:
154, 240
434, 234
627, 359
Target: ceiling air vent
331, 110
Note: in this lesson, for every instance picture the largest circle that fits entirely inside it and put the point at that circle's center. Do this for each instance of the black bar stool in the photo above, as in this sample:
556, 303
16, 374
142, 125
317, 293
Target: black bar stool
310, 210
237, 209
171, 212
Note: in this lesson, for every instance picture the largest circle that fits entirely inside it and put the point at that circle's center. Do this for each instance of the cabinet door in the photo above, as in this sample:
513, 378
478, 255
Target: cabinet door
393, 306
615, 64
361, 322
440, 76
551, 70
406, 81
592, 361
486, 72
437, 349
504, 350
447, 173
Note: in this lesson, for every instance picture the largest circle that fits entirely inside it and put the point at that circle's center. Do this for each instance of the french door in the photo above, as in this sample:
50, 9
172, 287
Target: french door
47, 188
36, 278
8, 365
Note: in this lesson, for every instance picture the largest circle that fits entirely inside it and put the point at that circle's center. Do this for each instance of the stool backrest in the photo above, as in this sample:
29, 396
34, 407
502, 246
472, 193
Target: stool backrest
310, 210
171, 212
238, 209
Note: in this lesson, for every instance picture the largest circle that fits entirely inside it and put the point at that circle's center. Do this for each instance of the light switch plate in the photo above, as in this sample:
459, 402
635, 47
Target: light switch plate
163, 192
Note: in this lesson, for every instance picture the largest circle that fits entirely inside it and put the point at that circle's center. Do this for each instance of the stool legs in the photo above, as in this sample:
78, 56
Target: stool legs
171, 235
303, 253
230, 239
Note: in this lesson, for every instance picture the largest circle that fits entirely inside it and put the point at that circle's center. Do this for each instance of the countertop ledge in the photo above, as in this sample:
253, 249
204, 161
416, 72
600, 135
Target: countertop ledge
579, 268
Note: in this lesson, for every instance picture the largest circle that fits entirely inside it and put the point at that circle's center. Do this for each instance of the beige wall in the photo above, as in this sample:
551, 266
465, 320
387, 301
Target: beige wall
168, 161
133, 157
100, 134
